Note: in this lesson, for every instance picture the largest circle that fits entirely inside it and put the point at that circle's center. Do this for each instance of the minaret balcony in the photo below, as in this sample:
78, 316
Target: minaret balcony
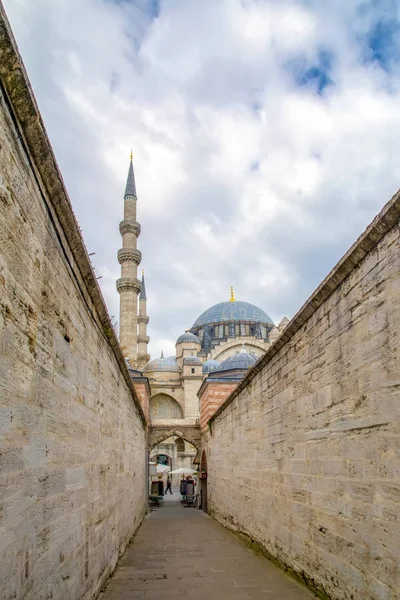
129, 226
143, 319
129, 255
143, 339
128, 284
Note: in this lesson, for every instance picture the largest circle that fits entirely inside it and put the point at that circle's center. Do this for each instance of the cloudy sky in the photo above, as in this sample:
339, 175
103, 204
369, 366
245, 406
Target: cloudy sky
266, 136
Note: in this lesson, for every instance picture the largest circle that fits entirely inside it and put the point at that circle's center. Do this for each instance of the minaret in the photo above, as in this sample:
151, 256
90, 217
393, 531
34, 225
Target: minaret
143, 319
129, 258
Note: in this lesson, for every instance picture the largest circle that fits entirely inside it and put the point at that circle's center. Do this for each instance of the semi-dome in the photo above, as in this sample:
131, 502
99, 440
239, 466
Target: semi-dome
210, 365
241, 360
162, 364
188, 337
228, 312
192, 359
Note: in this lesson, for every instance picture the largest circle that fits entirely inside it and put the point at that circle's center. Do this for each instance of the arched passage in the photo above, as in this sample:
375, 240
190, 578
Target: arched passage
159, 433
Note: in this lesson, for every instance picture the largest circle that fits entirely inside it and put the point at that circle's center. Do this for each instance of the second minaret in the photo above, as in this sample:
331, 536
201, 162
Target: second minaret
143, 319
129, 258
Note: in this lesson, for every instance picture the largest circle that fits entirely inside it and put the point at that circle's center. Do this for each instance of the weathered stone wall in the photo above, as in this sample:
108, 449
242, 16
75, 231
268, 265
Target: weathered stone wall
72, 434
304, 456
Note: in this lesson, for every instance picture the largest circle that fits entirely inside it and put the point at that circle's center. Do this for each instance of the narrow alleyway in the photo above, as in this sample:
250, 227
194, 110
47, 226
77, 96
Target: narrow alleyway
182, 553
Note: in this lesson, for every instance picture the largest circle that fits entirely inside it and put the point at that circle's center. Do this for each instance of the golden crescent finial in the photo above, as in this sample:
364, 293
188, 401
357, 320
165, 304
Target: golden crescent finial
143, 272
131, 154
232, 295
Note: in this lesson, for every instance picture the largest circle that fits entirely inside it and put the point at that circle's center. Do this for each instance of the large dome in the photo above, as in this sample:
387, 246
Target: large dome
229, 312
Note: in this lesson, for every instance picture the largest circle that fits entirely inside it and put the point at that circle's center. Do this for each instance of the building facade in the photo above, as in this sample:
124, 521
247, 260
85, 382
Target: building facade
222, 344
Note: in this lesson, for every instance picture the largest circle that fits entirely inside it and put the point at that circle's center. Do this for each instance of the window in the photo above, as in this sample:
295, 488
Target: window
221, 331
193, 370
242, 329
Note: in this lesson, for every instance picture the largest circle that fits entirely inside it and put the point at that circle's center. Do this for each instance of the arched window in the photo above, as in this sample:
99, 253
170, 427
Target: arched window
163, 406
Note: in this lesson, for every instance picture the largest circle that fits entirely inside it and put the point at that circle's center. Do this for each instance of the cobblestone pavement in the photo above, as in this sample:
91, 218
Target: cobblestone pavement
180, 552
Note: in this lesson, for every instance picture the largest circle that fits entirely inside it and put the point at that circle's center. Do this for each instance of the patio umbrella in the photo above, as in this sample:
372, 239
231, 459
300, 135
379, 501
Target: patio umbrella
183, 471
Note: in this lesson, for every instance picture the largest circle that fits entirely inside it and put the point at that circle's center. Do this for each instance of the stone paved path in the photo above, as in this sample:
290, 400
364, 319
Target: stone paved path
182, 553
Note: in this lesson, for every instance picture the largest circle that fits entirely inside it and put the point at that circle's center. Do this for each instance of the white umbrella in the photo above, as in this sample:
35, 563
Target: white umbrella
183, 471
162, 468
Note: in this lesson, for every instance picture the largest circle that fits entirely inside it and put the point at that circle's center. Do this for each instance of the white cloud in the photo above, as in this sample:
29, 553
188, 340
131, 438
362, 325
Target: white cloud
246, 175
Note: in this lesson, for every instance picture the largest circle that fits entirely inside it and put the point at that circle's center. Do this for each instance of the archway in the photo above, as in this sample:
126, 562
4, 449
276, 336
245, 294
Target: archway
163, 406
188, 433
226, 349
203, 479
165, 460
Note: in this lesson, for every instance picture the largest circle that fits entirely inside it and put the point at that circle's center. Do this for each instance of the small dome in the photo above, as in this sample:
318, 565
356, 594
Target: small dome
188, 337
210, 365
192, 360
162, 364
241, 360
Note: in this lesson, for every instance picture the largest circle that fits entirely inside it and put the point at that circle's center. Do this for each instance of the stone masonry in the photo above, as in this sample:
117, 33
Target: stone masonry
214, 394
304, 456
72, 432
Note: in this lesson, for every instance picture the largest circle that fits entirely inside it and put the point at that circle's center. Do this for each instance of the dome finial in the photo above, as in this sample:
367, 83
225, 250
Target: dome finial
162, 354
232, 295
131, 154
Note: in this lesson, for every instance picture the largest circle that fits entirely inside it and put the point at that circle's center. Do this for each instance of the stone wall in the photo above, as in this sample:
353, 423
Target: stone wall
72, 433
211, 395
142, 390
304, 456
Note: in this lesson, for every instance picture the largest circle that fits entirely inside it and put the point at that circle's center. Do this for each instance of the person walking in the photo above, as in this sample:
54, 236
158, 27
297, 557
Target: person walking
169, 485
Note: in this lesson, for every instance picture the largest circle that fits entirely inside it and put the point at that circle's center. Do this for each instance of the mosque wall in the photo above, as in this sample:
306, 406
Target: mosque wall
174, 391
72, 433
163, 406
304, 456
191, 387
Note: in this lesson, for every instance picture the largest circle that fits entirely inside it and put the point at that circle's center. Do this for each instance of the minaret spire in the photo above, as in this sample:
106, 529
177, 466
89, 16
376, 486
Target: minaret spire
129, 258
143, 319
130, 188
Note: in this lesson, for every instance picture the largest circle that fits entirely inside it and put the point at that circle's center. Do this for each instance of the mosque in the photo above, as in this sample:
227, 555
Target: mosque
222, 344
